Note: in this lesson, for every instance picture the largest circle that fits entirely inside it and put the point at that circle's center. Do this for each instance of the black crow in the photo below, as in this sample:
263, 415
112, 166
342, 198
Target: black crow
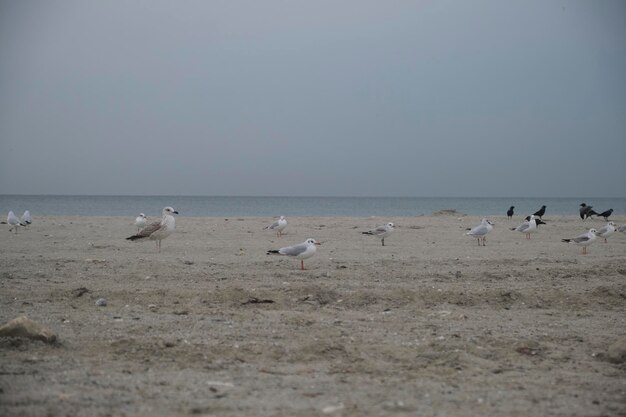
539, 213
606, 214
586, 211
509, 212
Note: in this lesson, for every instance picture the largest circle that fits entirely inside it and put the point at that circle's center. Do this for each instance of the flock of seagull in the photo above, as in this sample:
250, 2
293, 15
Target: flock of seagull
161, 229
15, 222
532, 222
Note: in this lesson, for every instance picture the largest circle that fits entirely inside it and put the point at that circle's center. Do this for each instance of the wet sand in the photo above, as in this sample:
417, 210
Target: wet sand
430, 324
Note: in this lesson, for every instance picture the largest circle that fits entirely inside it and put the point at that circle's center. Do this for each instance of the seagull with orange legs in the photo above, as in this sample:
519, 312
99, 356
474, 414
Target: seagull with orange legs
606, 231
583, 240
301, 251
528, 227
480, 231
279, 225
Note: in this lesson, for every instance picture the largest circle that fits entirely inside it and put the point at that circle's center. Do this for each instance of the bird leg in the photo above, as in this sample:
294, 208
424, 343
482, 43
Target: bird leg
302, 264
383, 240
584, 250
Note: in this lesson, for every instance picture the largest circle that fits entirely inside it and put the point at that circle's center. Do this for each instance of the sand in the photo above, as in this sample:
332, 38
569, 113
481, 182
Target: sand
429, 325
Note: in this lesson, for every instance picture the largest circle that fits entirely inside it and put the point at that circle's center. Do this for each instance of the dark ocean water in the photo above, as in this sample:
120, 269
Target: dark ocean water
43, 205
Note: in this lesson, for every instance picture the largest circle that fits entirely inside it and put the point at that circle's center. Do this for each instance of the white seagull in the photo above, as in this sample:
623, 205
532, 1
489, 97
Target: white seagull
381, 231
301, 251
480, 231
141, 221
279, 225
583, 240
606, 230
528, 227
158, 230
26, 218
14, 222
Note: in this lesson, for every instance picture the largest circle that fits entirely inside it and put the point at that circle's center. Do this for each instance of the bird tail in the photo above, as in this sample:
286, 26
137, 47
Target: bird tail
367, 233
273, 252
566, 240
135, 237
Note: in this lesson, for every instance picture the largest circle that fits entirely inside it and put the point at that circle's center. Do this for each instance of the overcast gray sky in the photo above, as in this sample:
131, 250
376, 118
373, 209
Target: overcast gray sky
355, 98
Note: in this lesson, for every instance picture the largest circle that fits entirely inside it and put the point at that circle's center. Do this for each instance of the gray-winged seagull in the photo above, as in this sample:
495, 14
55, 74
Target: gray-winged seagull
301, 251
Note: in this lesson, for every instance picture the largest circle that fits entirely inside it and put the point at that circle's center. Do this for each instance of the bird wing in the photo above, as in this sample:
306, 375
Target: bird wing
522, 227
380, 230
581, 238
149, 229
293, 250
273, 225
479, 230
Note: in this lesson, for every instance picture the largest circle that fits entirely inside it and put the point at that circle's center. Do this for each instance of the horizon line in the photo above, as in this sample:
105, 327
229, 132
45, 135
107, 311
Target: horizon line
297, 196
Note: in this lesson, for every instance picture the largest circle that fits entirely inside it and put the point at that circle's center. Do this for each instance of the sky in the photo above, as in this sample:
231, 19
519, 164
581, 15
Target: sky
313, 98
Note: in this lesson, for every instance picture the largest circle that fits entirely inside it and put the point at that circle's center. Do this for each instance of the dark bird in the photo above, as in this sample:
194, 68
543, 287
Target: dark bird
586, 211
509, 212
539, 213
606, 214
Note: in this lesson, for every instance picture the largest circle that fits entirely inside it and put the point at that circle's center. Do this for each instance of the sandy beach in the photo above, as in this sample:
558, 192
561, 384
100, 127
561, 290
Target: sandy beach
431, 324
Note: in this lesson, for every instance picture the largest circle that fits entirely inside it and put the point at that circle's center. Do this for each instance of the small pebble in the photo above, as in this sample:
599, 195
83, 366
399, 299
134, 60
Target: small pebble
101, 302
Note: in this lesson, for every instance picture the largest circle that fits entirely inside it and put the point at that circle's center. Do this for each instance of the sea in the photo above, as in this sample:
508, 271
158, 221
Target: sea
220, 206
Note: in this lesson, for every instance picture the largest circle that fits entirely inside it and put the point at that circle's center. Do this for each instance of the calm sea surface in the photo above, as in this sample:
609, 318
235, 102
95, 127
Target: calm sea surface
42, 205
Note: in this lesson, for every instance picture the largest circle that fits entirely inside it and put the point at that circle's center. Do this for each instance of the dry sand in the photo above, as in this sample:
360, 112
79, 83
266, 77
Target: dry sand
429, 325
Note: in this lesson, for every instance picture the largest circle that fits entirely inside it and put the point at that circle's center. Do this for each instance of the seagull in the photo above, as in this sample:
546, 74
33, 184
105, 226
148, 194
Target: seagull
480, 231
606, 214
141, 222
583, 240
381, 231
528, 227
158, 230
26, 218
14, 222
509, 212
301, 251
537, 221
279, 225
539, 213
606, 230
586, 211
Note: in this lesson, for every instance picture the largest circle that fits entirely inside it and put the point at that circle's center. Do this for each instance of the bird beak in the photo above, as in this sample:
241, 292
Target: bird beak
318, 243
175, 212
